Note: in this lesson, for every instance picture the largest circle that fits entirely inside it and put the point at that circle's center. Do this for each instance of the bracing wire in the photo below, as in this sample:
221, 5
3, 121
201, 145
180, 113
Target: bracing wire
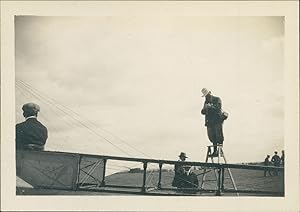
83, 124
53, 106
62, 109
33, 93
49, 99
20, 88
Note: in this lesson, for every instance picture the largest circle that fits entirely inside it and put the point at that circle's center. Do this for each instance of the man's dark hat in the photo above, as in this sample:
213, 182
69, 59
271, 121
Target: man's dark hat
205, 92
31, 107
182, 154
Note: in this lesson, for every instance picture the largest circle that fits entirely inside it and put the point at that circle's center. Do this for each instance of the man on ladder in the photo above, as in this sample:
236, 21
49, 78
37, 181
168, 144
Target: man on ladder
214, 118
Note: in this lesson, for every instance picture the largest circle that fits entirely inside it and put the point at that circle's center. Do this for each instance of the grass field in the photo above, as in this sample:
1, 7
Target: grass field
252, 180
90, 174
244, 179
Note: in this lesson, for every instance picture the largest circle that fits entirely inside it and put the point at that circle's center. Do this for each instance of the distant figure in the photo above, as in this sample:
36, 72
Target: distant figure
212, 110
282, 157
183, 178
31, 134
276, 161
267, 162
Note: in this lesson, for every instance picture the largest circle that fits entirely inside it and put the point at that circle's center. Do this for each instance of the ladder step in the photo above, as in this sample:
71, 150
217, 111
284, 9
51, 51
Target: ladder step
215, 156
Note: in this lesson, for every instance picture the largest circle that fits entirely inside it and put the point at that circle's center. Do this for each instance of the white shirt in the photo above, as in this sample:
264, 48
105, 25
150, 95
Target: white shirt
30, 117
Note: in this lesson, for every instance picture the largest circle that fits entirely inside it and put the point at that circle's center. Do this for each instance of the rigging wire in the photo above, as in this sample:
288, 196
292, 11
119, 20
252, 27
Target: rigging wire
30, 95
42, 99
71, 125
21, 87
55, 105
91, 130
88, 121
20, 90
50, 101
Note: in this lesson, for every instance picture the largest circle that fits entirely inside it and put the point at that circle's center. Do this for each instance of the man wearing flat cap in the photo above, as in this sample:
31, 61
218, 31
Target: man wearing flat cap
31, 134
212, 110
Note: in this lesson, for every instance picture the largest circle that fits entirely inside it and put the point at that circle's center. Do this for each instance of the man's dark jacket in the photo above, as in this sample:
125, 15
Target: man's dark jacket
30, 131
213, 115
276, 160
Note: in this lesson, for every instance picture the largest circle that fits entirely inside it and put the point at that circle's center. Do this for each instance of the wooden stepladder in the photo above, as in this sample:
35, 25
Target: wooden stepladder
219, 174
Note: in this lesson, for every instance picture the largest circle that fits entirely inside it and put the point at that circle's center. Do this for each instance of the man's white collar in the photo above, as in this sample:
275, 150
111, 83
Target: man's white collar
30, 117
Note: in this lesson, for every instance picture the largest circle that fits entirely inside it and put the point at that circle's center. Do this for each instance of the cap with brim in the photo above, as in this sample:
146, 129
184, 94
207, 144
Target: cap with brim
31, 107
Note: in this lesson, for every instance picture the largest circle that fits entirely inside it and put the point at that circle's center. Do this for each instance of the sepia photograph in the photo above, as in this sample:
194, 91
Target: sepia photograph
156, 106
132, 88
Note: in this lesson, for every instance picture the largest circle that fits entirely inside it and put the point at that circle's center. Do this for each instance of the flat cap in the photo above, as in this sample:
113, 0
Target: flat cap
31, 107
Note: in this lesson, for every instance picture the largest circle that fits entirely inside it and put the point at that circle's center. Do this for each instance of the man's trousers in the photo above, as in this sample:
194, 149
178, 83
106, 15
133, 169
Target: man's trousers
215, 134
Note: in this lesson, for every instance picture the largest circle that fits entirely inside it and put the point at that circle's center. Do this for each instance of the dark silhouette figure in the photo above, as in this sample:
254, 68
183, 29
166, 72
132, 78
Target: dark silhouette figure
267, 162
183, 178
214, 119
31, 134
276, 161
282, 157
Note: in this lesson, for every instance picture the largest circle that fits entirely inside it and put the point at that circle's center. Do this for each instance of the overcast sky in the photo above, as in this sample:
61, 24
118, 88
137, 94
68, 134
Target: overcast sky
140, 79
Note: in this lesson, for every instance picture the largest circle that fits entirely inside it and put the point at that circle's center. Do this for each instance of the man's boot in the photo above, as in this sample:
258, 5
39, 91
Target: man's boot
215, 153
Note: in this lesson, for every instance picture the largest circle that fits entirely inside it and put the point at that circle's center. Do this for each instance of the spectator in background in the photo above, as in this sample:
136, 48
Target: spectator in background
267, 163
282, 157
276, 161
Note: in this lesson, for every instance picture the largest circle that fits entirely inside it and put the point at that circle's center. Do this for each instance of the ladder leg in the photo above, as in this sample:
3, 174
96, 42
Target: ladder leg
230, 174
219, 152
232, 181
223, 156
221, 171
215, 171
208, 155
204, 173
222, 187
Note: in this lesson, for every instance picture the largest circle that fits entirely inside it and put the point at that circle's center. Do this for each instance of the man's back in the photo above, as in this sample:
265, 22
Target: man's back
276, 160
30, 131
267, 161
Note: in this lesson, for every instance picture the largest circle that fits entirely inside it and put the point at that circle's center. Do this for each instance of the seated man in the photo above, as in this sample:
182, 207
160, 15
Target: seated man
31, 134
183, 178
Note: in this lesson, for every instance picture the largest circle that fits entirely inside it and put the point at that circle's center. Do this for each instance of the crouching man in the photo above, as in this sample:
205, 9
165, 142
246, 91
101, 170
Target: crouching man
183, 177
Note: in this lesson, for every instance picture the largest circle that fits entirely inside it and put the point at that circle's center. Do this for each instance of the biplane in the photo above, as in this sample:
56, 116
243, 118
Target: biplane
53, 172
75, 173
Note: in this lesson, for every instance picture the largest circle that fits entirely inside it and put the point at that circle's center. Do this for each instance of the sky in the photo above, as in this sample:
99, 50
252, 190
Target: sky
138, 80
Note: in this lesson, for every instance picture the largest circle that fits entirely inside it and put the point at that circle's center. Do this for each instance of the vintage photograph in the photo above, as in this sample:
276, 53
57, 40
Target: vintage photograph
150, 105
